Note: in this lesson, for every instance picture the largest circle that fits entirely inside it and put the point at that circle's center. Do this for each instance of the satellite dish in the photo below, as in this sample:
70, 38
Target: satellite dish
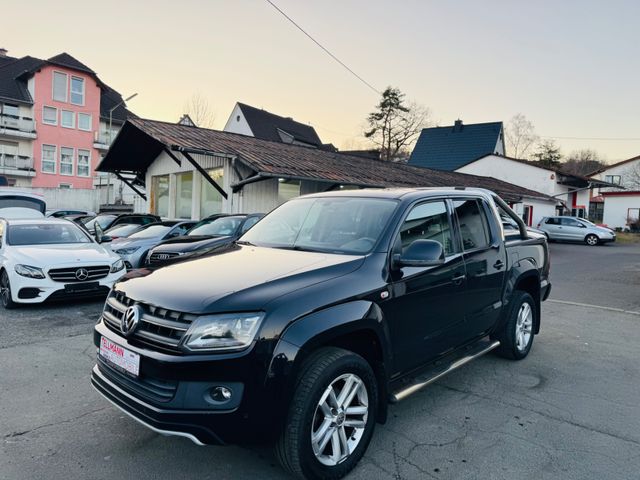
3, 181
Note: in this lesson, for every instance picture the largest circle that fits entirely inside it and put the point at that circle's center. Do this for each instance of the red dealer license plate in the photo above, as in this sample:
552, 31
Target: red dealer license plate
119, 356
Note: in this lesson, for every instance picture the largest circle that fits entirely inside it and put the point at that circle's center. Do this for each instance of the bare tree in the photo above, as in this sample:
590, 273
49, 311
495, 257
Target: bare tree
521, 136
632, 180
200, 111
582, 162
395, 125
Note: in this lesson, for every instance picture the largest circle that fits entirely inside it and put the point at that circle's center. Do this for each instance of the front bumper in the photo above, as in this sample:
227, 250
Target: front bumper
36, 290
171, 395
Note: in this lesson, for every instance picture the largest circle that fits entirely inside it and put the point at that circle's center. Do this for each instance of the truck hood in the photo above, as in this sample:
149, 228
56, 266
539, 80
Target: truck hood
53, 256
238, 278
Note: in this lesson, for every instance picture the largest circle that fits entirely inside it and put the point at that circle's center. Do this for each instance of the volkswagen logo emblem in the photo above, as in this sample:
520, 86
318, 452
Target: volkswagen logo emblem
130, 320
82, 274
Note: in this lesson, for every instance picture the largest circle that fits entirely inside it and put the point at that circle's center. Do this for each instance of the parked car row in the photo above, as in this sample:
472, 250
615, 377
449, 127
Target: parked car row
66, 254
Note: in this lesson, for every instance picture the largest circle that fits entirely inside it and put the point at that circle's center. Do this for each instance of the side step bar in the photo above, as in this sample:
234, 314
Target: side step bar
439, 370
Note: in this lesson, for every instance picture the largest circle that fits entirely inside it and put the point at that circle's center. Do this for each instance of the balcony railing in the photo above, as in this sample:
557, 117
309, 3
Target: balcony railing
20, 124
19, 162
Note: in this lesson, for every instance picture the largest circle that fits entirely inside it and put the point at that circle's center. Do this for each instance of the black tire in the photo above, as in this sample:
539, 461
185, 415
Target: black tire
5, 292
508, 333
591, 240
294, 448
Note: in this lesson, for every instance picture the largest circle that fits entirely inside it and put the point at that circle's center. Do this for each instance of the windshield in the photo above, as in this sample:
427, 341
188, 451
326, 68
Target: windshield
219, 226
103, 221
347, 225
584, 220
152, 231
45, 234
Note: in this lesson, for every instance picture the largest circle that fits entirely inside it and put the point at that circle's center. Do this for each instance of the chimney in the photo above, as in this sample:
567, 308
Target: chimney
3, 52
457, 125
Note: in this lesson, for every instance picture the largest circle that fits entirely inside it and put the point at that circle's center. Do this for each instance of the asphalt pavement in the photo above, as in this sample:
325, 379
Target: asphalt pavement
568, 411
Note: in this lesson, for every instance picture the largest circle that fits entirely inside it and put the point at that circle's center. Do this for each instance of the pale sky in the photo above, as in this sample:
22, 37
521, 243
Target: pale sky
572, 67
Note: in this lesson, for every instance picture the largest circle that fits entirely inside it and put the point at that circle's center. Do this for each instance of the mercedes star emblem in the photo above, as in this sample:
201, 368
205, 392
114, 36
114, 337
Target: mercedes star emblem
82, 274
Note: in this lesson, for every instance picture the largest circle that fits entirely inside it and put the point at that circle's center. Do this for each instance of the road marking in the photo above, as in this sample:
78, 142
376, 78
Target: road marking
611, 309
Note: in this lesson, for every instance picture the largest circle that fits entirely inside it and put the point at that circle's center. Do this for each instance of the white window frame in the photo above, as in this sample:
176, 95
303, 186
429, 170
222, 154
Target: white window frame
73, 153
66, 86
88, 162
65, 186
73, 118
90, 121
53, 108
71, 90
55, 159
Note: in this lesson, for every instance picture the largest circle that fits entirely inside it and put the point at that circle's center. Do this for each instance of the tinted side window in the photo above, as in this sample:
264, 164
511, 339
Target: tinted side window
553, 221
474, 228
428, 221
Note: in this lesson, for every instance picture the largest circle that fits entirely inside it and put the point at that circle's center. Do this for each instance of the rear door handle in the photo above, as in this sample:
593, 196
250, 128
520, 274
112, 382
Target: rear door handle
458, 279
498, 265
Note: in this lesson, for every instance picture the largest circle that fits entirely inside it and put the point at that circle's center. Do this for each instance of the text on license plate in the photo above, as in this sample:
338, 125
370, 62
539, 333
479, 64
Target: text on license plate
120, 356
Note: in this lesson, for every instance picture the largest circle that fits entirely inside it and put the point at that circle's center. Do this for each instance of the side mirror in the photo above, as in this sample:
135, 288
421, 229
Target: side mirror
106, 238
98, 233
421, 253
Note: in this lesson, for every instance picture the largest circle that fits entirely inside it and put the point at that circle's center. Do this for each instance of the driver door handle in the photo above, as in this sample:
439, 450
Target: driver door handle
458, 279
498, 265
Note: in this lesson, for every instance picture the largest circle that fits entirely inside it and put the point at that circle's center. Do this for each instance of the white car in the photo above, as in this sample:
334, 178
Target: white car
50, 258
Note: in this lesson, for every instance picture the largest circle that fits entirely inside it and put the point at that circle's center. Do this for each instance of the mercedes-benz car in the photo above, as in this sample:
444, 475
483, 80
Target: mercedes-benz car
47, 258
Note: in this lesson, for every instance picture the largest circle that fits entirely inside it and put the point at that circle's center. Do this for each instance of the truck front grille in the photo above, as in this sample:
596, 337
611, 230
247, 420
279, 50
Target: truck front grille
159, 328
79, 274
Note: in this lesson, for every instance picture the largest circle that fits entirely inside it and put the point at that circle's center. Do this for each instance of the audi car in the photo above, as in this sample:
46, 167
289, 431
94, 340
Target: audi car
49, 258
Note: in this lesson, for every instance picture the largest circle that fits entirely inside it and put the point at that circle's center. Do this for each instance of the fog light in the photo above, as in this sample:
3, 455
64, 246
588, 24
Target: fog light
220, 394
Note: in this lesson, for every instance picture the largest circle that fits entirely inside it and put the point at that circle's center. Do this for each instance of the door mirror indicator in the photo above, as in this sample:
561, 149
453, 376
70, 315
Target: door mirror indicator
421, 253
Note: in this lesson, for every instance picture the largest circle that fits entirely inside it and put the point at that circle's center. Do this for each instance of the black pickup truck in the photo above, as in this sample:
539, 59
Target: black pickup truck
332, 307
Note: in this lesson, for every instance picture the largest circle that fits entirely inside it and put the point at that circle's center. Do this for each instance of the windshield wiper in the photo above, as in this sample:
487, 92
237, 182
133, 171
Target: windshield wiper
244, 242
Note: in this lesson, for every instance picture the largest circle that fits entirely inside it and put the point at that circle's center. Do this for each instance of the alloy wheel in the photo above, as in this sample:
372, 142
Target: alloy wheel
524, 327
339, 420
592, 240
5, 289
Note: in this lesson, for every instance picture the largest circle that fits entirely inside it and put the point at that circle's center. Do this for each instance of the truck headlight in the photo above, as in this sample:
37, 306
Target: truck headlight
117, 266
29, 271
127, 251
223, 331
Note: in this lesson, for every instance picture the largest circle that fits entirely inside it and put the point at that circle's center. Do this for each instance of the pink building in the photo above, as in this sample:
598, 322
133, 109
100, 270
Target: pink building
54, 117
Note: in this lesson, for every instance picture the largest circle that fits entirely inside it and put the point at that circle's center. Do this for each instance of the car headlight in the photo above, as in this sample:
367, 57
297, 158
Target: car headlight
117, 266
29, 271
127, 251
223, 331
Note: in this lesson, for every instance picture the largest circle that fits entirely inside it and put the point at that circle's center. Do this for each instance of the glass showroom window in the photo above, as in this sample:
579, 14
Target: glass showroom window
184, 194
66, 161
84, 162
77, 91
60, 86
67, 119
50, 115
84, 121
160, 195
210, 198
49, 158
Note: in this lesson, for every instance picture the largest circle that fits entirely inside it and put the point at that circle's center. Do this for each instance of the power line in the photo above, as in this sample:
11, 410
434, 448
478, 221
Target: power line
323, 48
